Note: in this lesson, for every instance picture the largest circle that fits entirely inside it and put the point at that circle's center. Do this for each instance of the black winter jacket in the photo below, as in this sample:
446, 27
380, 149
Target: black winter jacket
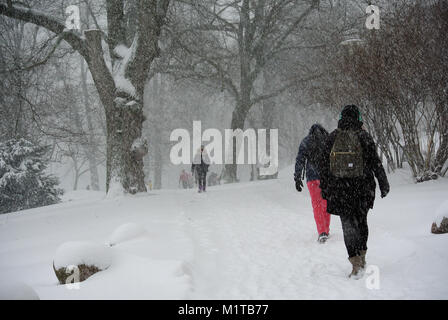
200, 163
346, 195
310, 150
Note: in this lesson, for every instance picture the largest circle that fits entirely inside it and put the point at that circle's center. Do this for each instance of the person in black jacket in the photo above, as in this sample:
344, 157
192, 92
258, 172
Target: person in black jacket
351, 198
310, 150
199, 168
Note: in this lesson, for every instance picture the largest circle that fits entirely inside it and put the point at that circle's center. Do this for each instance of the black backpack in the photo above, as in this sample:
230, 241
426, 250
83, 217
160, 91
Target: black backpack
346, 156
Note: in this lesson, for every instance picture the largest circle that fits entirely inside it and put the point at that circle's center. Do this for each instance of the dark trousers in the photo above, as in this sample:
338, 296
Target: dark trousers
202, 179
356, 232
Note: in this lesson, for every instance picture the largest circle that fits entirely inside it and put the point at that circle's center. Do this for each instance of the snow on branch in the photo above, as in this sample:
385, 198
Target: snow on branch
125, 55
46, 21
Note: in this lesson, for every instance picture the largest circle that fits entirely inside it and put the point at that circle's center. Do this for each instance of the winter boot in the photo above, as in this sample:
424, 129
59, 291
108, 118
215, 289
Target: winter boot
323, 237
363, 258
357, 270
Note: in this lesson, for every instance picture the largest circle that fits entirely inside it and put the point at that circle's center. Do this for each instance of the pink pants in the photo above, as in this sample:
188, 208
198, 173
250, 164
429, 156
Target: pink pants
321, 216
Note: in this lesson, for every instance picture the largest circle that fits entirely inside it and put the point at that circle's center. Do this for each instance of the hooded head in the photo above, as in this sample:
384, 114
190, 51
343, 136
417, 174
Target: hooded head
317, 138
317, 129
350, 118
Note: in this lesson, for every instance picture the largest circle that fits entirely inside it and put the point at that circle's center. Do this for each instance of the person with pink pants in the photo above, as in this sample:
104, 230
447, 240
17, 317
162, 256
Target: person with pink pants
321, 216
308, 160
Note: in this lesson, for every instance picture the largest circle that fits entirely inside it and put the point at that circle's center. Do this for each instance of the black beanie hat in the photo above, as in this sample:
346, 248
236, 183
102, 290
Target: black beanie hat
351, 113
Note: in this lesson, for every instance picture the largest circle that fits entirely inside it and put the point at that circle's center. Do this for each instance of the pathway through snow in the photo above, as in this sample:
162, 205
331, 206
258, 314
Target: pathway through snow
259, 242
241, 241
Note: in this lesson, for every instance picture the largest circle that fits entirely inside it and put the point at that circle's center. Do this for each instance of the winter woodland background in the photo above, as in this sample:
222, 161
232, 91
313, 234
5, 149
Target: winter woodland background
96, 99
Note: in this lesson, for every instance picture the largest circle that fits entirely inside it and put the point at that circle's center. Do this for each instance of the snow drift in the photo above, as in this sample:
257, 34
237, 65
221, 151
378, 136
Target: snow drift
252, 240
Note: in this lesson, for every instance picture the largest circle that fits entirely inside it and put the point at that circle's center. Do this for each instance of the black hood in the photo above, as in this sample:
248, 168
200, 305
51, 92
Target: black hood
317, 129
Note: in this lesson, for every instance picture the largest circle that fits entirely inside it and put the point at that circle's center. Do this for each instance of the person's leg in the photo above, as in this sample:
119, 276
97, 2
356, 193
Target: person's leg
200, 180
326, 217
319, 208
364, 230
356, 232
354, 226
364, 235
351, 234
204, 180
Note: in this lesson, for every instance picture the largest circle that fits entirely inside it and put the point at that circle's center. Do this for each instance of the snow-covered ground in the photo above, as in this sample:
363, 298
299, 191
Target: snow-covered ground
241, 241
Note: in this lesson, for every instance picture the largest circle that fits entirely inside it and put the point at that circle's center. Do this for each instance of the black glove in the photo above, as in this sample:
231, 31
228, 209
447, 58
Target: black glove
299, 185
384, 192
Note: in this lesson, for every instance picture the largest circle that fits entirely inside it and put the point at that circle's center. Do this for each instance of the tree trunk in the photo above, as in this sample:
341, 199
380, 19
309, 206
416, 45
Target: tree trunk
91, 154
124, 124
158, 106
268, 108
158, 161
124, 162
75, 167
442, 151
238, 120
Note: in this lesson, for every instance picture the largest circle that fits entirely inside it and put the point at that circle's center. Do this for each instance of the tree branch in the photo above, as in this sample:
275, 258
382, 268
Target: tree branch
44, 20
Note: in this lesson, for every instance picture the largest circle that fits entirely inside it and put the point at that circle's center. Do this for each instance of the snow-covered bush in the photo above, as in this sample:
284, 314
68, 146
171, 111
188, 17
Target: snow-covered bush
440, 224
79, 260
23, 182
426, 176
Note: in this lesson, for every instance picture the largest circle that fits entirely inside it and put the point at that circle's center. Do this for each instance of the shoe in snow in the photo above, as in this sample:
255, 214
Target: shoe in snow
323, 237
358, 270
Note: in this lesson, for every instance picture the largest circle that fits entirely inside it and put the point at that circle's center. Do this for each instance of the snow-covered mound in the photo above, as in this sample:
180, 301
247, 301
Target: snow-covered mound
115, 190
440, 224
17, 291
76, 253
82, 195
126, 232
441, 213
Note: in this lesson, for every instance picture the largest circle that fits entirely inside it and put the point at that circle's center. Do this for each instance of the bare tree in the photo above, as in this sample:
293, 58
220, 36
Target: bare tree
120, 87
230, 43
398, 75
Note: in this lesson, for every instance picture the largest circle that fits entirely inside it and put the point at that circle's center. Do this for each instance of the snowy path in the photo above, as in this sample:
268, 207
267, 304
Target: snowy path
256, 242
266, 250
241, 241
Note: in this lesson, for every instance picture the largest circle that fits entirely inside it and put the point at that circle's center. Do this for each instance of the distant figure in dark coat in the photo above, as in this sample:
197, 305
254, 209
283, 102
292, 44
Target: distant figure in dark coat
352, 197
310, 151
199, 167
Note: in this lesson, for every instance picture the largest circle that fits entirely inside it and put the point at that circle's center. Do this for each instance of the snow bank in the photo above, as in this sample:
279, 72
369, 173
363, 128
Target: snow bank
82, 252
126, 232
82, 195
207, 247
442, 212
115, 189
17, 291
